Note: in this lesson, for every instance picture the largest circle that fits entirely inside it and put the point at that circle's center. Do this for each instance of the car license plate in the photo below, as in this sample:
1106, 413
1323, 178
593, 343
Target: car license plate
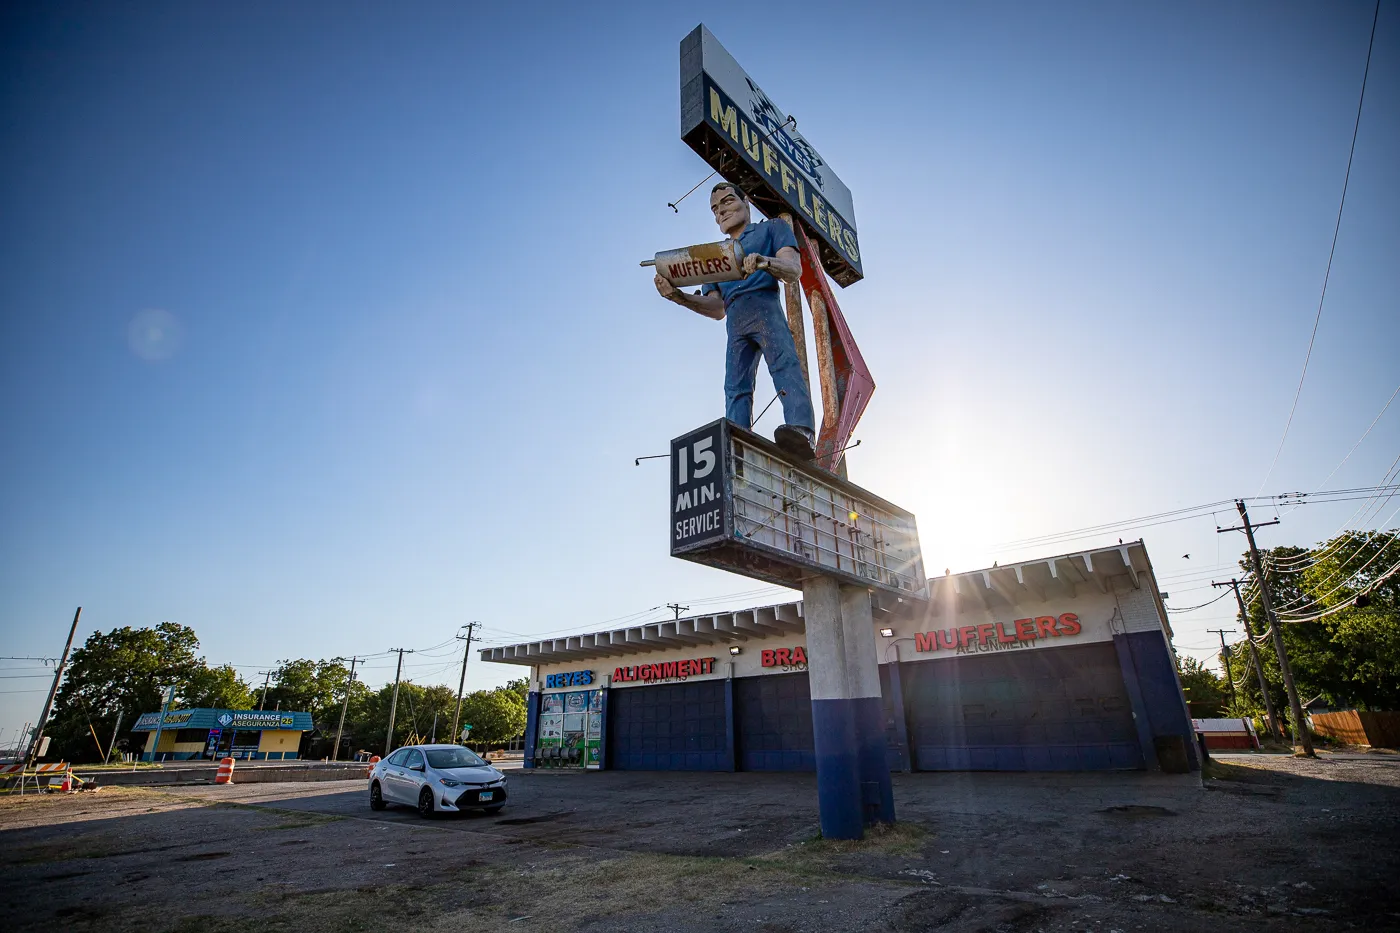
486, 795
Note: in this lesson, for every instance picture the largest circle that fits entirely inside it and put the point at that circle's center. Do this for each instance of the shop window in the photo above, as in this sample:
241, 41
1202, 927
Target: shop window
191, 735
572, 722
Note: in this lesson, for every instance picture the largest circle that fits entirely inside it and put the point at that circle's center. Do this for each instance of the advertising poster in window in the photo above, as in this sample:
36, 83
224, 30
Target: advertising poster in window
553, 703
552, 726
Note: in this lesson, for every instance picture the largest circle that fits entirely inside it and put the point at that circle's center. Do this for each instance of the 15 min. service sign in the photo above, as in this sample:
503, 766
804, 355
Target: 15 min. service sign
698, 512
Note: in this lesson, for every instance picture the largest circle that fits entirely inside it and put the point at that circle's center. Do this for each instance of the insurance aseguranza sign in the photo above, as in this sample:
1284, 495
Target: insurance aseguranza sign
728, 119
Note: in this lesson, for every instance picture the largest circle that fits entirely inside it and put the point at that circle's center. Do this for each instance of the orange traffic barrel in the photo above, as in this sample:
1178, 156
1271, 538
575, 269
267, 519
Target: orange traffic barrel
225, 775
373, 760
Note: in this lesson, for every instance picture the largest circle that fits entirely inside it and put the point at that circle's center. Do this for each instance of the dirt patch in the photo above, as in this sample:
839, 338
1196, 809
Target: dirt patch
703, 852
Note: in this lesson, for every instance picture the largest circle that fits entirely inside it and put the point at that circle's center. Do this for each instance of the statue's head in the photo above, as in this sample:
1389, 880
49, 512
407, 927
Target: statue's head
730, 207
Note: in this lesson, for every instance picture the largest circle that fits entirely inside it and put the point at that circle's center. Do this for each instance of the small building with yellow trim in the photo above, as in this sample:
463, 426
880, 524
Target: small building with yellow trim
268, 735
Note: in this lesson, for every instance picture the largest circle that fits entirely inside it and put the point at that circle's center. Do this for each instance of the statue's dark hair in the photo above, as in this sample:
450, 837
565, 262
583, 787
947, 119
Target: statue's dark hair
738, 192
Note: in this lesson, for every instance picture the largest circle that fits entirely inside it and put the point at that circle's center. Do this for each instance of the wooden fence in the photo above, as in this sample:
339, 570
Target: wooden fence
1379, 730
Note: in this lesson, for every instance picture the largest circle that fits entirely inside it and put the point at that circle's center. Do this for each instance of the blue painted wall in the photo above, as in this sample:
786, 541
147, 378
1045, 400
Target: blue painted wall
1060, 709
1161, 690
669, 727
833, 727
773, 723
532, 725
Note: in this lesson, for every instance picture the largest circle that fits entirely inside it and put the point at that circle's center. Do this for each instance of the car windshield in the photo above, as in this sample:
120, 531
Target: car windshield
453, 758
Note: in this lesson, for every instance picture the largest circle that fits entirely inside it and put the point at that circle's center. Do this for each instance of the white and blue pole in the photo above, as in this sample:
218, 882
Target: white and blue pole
867, 705
839, 797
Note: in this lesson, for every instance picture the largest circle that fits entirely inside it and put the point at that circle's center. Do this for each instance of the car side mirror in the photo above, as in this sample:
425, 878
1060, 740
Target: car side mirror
416, 768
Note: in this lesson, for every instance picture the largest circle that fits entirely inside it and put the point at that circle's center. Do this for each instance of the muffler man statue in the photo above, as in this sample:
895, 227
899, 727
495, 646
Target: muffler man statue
754, 318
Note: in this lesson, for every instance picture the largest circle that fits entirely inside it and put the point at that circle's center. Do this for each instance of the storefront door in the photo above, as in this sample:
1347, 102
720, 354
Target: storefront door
773, 723
1051, 709
668, 727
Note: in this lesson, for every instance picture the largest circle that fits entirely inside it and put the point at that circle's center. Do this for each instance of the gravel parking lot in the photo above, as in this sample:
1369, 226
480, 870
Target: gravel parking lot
1272, 843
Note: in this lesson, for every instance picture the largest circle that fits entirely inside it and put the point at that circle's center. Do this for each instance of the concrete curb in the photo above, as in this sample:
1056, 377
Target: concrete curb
258, 775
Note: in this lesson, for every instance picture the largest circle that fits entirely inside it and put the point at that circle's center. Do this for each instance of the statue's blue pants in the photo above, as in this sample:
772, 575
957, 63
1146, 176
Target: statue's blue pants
757, 328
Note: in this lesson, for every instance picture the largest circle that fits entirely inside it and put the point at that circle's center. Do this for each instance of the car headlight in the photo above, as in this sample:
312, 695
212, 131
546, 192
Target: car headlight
448, 782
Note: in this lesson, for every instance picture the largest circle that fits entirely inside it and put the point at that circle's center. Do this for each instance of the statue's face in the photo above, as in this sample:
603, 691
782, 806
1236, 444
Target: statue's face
731, 211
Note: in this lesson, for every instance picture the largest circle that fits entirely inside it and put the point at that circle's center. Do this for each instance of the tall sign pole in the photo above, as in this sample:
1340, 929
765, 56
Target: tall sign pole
160, 724
1301, 737
725, 478
53, 691
111, 746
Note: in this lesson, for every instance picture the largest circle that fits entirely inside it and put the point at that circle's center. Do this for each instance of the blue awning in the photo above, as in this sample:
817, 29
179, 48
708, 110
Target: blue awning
241, 719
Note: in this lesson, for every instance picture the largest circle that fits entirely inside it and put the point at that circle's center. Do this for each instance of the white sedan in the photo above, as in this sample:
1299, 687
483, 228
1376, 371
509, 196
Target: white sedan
433, 778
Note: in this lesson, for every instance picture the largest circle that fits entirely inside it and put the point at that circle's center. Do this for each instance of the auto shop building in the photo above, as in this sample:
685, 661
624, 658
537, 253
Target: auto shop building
1062, 663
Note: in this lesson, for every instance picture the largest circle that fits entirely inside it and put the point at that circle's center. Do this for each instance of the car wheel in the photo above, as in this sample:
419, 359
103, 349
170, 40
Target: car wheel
425, 802
376, 797
495, 810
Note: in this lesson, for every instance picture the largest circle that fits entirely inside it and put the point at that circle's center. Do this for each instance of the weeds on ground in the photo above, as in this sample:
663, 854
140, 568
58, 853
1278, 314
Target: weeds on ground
579, 886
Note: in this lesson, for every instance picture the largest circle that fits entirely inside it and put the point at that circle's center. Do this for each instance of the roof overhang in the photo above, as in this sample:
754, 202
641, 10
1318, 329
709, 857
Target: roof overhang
994, 589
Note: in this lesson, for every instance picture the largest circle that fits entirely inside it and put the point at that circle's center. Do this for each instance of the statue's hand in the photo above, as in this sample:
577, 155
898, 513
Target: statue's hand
665, 289
754, 262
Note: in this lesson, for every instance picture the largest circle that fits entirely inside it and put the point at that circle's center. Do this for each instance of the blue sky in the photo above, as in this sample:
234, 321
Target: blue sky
404, 355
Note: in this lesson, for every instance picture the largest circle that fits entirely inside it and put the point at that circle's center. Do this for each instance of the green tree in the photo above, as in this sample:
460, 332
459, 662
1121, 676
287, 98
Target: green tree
217, 687
315, 687
368, 720
495, 716
1351, 657
1205, 692
121, 671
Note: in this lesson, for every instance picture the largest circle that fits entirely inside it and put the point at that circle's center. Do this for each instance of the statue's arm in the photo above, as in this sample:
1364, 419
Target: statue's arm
711, 306
787, 265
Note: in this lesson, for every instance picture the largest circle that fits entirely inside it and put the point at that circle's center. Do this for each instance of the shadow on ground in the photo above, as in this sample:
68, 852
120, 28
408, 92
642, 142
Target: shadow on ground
1252, 848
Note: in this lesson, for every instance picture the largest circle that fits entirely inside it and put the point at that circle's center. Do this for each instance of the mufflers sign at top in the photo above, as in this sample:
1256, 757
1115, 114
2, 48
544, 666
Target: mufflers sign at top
995, 636
732, 124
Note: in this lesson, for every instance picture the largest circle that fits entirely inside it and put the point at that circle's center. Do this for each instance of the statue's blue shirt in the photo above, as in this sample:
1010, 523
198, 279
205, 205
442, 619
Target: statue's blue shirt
761, 239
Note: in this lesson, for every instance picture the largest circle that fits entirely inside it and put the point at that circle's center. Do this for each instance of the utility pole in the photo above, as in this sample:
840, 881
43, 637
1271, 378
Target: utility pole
394, 704
267, 679
1301, 737
340, 729
677, 609
1274, 728
462, 683
53, 692
1225, 662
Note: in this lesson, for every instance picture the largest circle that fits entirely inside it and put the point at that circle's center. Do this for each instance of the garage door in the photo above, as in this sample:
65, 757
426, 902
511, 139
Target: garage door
773, 722
1055, 709
668, 727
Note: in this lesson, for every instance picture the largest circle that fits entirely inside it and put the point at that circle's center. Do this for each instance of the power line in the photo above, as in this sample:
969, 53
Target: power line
1355, 130
1312, 557
1348, 603
1374, 422
1201, 606
1337, 573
